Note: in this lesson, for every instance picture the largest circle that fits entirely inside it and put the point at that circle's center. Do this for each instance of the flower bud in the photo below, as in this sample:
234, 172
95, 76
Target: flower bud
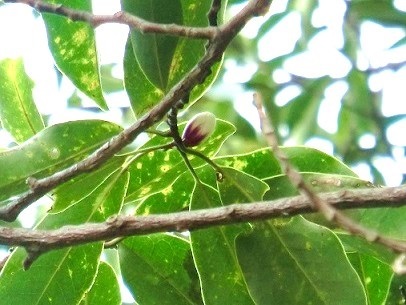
199, 128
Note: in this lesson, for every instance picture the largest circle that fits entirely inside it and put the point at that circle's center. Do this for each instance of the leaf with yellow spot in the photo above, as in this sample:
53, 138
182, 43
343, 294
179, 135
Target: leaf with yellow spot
52, 149
154, 63
214, 249
64, 275
73, 47
159, 269
279, 257
18, 112
160, 168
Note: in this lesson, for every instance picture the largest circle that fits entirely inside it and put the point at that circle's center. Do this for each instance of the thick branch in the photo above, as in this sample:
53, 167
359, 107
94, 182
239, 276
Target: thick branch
197, 75
120, 226
121, 18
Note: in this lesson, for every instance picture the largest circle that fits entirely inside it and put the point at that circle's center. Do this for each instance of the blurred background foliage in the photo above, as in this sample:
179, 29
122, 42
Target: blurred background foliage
353, 100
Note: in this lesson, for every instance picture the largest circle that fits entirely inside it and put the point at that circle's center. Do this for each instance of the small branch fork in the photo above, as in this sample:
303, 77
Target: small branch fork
316, 201
218, 43
121, 17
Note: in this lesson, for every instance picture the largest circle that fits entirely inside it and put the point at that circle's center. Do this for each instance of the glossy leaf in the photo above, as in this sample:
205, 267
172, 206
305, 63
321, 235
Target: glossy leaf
63, 276
73, 47
77, 188
213, 249
280, 186
386, 221
154, 52
295, 261
52, 149
375, 275
239, 187
174, 198
105, 289
18, 112
142, 93
157, 170
158, 269
143, 90
262, 164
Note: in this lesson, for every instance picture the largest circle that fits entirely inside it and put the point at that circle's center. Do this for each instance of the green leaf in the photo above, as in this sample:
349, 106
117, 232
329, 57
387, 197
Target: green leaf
213, 249
214, 253
174, 198
18, 113
189, 51
52, 149
73, 47
386, 221
105, 289
79, 187
297, 262
238, 187
145, 84
142, 93
280, 186
375, 275
262, 163
154, 52
63, 276
158, 269
157, 170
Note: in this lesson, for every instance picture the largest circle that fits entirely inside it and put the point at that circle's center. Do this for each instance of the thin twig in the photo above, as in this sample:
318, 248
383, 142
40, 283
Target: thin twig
316, 201
197, 75
212, 15
119, 226
121, 17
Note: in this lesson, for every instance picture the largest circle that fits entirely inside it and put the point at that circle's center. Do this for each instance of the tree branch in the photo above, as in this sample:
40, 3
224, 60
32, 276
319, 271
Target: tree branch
118, 226
316, 201
121, 17
223, 36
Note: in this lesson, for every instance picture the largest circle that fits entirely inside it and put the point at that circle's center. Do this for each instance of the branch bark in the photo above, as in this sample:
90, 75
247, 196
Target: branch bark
120, 226
121, 17
223, 36
317, 202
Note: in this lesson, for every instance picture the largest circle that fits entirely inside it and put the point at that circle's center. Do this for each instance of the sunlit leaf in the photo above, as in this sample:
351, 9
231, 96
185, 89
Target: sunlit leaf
280, 186
158, 269
297, 262
73, 47
52, 149
157, 170
63, 276
18, 112
175, 197
79, 187
375, 275
214, 253
262, 164
105, 289
146, 83
154, 52
142, 93
213, 249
